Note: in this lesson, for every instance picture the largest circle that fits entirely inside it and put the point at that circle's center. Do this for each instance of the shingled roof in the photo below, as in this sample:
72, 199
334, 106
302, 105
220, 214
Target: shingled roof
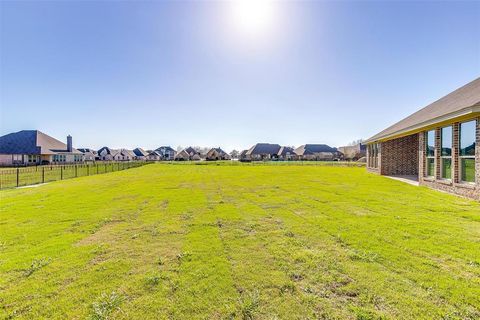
313, 148
32, 142
165, 149
139, 152
285, 150
463, 101
264, 148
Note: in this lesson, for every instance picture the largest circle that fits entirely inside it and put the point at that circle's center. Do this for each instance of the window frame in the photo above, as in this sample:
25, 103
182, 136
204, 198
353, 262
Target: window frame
461, 157
442, 157
430, 157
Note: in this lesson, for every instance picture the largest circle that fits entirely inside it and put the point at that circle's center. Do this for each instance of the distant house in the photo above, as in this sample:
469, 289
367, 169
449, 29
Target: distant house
182, 156
106, 154
166, 153
286, 154
140, 154
88, 154
354, 152
154, 156
243, 156
188, 154
263, 151
217, 154
317, 152
124, 155
438, 146
31, 147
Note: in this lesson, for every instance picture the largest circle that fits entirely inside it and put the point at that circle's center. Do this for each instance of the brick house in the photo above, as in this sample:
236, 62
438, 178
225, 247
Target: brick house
354, 152
33, 147
106, 154
286, 154
263, 151
140, 154
317, 152
166, 153
188, 154
439, 146
217, 154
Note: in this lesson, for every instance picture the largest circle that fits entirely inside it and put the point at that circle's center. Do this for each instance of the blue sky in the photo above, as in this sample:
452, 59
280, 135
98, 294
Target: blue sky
128, 74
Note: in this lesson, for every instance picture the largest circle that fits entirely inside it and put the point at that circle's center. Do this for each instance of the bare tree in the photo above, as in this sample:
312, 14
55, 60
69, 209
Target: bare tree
355, 142
234, 154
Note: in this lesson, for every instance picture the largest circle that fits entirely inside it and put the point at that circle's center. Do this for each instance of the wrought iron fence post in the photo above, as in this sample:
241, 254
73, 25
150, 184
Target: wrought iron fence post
18, 171
61, 172
76, 171
88, 170
43, 174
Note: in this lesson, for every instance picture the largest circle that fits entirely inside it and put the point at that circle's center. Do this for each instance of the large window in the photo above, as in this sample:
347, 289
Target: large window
446, 160
430, 151
467, 151
32, 158
59, 158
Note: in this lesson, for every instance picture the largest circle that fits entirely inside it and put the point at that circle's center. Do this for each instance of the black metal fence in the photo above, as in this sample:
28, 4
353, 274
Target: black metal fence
18, 177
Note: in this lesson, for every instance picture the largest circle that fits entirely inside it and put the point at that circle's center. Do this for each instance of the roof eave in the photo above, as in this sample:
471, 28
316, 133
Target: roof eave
416, 128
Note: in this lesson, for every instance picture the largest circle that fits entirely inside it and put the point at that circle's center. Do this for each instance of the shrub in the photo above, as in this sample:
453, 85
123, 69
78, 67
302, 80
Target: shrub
105, 305
248, 304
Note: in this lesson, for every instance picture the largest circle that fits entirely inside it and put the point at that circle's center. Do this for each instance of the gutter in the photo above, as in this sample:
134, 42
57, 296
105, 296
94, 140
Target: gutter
418, 127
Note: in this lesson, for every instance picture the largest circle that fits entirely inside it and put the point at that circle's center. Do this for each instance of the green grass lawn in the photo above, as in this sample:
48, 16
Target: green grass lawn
238, 242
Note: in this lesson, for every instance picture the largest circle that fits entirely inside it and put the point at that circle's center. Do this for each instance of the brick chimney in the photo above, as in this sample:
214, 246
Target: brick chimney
69, 143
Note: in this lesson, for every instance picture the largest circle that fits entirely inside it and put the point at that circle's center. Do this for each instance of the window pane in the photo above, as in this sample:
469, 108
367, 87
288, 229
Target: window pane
431, 143
467, 138
468, 170
430, 167
447, 168
447, 141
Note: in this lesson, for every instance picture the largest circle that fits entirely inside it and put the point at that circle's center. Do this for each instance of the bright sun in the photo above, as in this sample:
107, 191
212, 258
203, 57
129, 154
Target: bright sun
253, 17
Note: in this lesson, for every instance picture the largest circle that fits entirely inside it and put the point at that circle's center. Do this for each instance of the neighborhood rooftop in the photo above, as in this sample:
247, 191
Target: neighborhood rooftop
313, 148
266, 148
463, 101
32, 142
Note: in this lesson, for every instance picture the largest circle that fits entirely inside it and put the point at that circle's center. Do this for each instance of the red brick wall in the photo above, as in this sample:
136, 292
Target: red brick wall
400, 156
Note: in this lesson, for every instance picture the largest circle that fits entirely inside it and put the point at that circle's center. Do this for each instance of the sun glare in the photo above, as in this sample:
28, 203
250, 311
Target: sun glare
253, 17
